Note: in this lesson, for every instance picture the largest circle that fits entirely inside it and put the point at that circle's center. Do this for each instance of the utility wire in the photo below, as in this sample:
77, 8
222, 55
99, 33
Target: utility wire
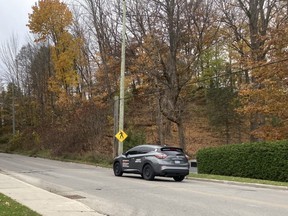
215, 77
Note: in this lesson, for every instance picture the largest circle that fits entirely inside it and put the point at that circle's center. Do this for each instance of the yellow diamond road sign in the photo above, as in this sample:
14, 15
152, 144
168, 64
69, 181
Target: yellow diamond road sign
121, 135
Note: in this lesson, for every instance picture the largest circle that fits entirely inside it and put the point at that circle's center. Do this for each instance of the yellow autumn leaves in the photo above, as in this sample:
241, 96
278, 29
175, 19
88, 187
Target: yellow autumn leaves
50, 21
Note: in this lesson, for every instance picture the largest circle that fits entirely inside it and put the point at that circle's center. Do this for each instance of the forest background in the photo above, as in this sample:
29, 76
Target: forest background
198, 73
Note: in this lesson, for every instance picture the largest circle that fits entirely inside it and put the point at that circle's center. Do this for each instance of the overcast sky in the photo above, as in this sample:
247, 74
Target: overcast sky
13, 19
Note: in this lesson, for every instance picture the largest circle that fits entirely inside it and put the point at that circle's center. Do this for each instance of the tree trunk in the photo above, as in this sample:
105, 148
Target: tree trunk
160, 124
181, 134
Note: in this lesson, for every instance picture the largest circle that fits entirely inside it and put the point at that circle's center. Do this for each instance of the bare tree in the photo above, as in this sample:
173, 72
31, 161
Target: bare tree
103, 19
85, 65
8, 54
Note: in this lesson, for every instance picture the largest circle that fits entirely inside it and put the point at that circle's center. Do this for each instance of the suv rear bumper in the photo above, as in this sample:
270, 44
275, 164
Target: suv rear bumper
173, 171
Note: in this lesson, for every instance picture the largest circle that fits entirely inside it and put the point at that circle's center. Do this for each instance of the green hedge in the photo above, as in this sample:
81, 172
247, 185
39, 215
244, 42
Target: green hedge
264, 160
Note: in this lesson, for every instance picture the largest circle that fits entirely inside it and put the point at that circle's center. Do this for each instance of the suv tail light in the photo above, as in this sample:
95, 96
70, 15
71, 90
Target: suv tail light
161, 156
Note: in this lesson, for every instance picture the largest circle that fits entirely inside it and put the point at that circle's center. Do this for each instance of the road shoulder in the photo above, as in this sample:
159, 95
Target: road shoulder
239, 183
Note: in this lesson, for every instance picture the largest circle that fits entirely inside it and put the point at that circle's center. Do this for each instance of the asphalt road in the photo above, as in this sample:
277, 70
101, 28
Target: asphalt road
99, 189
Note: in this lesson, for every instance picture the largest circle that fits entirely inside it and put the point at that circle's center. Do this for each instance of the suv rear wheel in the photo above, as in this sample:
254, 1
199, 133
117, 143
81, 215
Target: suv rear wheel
178, 178
148, 172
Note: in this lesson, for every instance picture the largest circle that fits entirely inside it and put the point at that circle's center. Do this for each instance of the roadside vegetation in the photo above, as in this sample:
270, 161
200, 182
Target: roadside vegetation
262, 160
9, 207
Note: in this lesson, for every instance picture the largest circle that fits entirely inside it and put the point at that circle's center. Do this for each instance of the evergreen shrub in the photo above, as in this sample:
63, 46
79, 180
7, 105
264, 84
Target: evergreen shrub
263, 160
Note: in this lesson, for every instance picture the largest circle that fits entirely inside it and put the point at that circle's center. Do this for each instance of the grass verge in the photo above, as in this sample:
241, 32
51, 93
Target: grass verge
9, 207
238, 179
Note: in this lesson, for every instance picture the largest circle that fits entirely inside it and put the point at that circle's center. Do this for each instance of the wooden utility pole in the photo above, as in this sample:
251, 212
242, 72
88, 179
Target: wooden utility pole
116, 125
122, 79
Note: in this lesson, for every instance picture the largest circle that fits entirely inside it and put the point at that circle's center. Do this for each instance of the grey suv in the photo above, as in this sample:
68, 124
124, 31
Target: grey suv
153, 160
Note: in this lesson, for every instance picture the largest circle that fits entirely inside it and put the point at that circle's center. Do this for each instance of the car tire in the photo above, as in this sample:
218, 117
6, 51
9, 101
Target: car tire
178, 178
117, 169
148, 172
